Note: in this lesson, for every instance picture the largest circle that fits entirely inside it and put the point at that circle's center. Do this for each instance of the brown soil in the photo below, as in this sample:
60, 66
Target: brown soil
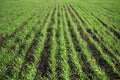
3, 40
86, 66
43, 65
96, 53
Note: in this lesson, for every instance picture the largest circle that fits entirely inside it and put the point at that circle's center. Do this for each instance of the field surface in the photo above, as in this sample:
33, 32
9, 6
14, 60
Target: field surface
59, 39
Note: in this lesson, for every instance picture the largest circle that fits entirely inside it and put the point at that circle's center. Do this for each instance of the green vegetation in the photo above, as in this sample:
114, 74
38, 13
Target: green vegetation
59, 40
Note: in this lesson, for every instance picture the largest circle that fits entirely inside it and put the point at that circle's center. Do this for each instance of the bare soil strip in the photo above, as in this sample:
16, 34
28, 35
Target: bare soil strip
43, 64
115, 33
86, 66
58, 56
10, 71
29, 58
103, 47
105, 25
96, 53
3, 40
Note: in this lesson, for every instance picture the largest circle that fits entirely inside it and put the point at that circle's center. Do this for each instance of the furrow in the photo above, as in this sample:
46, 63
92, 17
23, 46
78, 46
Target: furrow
43, 65
3, 40
97, 54
79, 30
74, 66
